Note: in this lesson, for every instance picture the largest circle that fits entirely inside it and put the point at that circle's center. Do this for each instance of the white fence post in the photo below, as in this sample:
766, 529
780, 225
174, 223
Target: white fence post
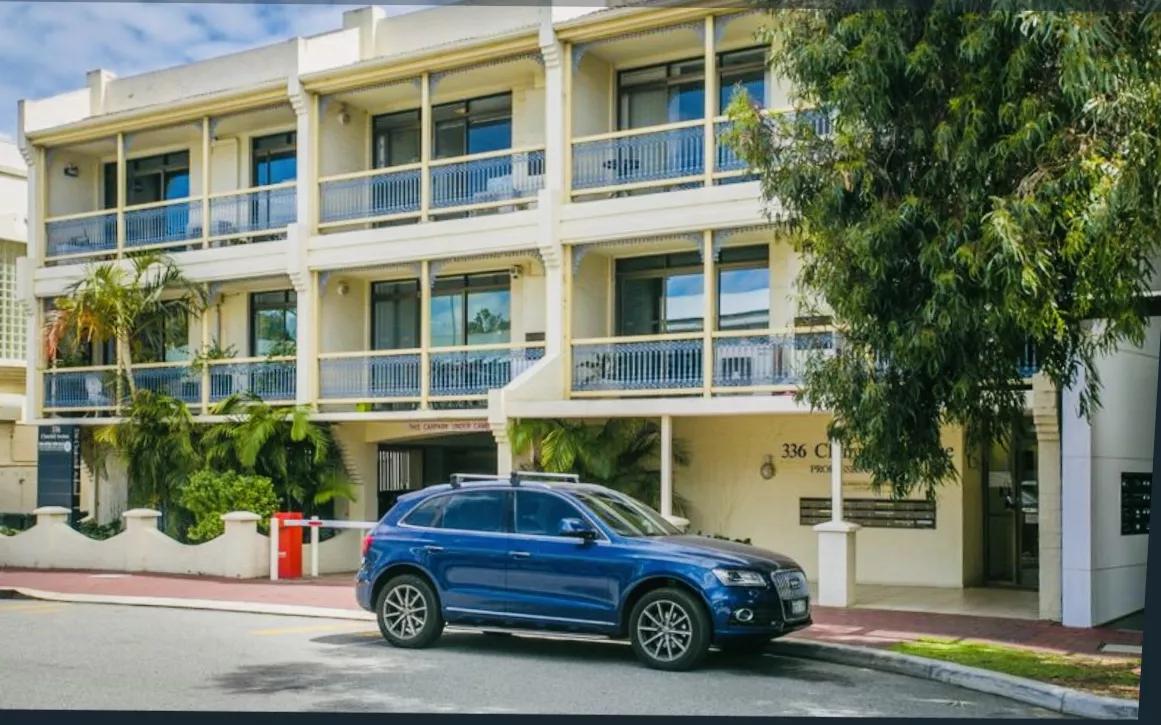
314, 527
273, 549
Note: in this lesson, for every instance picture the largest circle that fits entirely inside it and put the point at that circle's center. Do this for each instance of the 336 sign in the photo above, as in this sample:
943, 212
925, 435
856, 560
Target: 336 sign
798, 451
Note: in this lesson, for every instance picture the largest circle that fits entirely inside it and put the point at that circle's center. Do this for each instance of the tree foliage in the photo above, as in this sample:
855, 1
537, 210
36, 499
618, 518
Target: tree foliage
985, 181
621, 453
208, 495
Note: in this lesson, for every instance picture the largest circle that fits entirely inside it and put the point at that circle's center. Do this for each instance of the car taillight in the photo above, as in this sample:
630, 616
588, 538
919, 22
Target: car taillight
367, 543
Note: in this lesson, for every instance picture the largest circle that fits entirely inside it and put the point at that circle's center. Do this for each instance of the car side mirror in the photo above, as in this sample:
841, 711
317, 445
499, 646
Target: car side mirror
577, 529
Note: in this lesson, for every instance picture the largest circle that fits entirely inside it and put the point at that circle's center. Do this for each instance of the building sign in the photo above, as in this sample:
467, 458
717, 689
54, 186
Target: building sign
459, 426
58, 467
872, 513
1135, 504
817, 457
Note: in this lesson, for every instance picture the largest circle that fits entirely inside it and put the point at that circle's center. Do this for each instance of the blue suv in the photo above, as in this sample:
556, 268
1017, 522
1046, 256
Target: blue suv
538, 552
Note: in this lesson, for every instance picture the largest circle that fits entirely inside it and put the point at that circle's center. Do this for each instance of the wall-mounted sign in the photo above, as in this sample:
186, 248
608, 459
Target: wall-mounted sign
872, 513
58, 467
1135, 503
464, 426
817, 457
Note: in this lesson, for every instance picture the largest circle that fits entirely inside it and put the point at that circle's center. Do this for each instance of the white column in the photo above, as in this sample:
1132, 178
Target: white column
1048, 477
305, 107
306, 357
836, 544
666, 466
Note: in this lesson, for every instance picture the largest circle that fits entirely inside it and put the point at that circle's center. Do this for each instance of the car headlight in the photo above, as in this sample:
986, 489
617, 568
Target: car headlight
739, 578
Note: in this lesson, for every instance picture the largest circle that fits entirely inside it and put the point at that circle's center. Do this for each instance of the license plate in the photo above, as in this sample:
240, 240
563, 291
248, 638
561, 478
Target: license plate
798, 607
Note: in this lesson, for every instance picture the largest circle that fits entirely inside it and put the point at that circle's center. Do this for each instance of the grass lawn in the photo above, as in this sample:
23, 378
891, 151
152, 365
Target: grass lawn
1113, 677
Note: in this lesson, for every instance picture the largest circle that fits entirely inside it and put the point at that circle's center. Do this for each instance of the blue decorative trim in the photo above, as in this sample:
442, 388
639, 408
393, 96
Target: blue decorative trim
323, 278
214, 289
578, 254
48, 154
127, 141
578, 52
433, 273
323, 102
214, 127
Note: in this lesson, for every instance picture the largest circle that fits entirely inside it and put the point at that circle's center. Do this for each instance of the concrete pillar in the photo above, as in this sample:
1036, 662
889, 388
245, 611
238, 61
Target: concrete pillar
836, 544
48, 515
666, 466
138, 525
1045, 413
499, 426
244, 550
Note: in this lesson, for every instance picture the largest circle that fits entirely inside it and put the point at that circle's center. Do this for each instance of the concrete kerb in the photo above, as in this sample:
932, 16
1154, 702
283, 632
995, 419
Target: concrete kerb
1050, 697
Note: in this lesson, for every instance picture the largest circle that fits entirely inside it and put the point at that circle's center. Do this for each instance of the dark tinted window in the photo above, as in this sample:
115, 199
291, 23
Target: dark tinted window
475, 511
540, 513
426, 513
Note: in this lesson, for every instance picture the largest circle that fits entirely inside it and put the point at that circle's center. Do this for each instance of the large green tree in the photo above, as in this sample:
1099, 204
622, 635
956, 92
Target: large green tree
984, 181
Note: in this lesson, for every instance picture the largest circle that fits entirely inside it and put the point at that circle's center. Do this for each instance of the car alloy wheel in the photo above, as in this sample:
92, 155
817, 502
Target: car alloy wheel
669, 630
408, 613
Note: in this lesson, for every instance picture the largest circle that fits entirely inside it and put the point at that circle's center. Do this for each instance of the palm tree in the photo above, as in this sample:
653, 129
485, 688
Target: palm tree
123, 304
281, 443
621, 453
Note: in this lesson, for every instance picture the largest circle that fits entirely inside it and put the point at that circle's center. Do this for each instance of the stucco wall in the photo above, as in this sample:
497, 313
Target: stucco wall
727, 495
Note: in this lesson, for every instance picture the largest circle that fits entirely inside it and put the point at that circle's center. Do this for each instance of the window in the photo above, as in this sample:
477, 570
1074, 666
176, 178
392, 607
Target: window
675, 92
427, 513
471, 310
743, 70
540, 514
484, 511
395, 139
165, 339
274, 159
472, 127
665, 293
148, 180
12, 329
626, 516
395, 315
273, 322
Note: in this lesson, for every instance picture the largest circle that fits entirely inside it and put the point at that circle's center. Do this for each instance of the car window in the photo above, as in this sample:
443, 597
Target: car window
427, 513
475, 511
626, 516
540, 514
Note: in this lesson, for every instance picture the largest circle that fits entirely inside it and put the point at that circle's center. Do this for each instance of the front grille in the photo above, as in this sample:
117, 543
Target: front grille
790, 584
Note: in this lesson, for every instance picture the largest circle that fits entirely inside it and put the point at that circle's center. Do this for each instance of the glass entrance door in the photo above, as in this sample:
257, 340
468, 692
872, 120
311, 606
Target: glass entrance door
1012, 525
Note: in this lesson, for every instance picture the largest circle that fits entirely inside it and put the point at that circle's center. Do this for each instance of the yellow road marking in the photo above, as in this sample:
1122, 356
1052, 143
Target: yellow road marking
302, 630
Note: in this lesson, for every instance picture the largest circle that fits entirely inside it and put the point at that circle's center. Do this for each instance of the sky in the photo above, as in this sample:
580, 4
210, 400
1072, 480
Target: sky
47, 47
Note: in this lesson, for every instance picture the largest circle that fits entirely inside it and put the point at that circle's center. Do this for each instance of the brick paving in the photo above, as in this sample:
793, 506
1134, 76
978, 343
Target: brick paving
863, 627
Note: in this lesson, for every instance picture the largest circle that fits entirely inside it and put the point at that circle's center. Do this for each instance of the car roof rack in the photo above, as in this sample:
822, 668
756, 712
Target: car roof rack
515, 478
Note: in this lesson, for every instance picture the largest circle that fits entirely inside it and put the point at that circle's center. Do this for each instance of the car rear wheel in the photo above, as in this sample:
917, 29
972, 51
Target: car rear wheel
669, 630
408, 613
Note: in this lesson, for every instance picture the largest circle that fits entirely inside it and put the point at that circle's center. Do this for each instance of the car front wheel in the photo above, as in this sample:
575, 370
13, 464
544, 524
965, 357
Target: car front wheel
408, 613
669, 630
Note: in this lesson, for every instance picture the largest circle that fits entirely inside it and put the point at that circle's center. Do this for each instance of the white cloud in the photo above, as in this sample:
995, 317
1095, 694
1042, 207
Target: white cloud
46, 48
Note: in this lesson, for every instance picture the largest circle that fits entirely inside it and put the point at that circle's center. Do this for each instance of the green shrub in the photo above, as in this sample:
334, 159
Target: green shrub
95, 531
209, 494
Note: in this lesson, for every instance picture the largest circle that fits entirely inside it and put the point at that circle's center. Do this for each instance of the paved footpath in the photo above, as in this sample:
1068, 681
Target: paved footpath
863, 627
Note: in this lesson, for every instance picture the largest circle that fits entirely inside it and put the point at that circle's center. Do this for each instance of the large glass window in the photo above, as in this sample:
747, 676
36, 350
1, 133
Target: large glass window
395, 315
428, 513
485, 511
471, 127
148, 180
165, 339
665, 293
675, 92
396, 139
540, 514
273, 322
274, 159
471, 310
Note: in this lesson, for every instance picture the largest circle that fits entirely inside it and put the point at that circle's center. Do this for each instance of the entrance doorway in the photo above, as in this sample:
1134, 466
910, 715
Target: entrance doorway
414, 465
1011, 510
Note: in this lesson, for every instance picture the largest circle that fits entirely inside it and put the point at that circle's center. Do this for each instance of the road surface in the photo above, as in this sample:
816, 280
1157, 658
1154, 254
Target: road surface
88, 656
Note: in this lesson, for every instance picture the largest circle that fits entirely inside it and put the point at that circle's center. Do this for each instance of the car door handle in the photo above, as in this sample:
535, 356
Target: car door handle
519, 554
433, 549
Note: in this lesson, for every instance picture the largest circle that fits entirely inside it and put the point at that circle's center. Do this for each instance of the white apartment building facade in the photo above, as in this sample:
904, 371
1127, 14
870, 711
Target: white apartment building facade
426, 226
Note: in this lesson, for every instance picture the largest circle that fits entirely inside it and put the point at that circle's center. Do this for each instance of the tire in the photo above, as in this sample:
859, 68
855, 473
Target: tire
406, 594
751, 646
688, 624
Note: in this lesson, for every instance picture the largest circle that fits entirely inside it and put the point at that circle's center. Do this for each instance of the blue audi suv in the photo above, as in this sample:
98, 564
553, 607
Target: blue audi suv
544, 552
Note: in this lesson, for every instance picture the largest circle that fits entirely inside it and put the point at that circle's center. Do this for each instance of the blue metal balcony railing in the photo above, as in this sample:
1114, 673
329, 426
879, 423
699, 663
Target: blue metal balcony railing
370, 377
513, 175
265, 209
274, 381
174, 222
639, 157
622, 365
66, 389
386, 193
90, 234
758, 360
179, 381
465, 373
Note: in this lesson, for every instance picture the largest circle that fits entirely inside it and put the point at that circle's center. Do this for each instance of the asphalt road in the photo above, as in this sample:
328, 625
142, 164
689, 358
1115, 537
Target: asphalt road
81, 656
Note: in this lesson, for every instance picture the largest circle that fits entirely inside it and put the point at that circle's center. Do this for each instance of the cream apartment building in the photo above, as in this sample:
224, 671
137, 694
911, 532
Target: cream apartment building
429, 225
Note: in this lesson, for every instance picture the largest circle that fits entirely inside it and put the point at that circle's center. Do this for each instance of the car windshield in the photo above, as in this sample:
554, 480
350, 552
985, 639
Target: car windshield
626, 516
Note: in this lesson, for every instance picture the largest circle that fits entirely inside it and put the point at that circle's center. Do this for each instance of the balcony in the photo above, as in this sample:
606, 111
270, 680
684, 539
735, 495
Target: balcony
457, 377
95, 389
171, 189
462, 142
